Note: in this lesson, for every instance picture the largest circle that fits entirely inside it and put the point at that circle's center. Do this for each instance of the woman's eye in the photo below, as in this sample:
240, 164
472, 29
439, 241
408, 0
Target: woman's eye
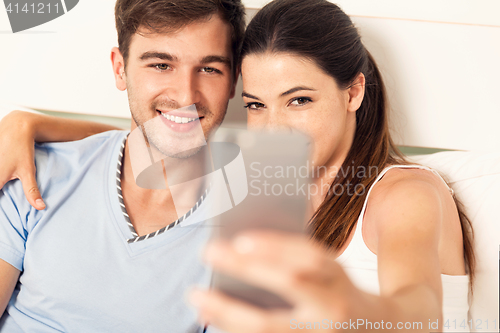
162, 67
254, 106
300, 101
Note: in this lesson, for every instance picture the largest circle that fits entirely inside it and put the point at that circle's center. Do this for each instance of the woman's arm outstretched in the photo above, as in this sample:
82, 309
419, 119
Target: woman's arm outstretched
408, 217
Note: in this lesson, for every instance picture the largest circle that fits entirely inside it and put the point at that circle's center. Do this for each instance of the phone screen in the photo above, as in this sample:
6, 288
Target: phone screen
266, 177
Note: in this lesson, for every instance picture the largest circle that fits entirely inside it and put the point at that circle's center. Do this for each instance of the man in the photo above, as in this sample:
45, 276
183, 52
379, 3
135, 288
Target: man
103, 256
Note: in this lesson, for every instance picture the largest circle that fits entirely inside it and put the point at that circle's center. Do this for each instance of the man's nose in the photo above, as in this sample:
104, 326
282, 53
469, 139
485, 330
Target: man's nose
185, 90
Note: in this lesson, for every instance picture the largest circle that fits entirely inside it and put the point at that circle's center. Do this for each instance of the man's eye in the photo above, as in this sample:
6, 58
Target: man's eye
254, 106
162, 67
300, 101
211, 70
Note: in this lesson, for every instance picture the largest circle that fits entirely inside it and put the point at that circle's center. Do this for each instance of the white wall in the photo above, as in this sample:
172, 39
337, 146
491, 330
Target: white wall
439, 60
459, 11
63, 65
441, 79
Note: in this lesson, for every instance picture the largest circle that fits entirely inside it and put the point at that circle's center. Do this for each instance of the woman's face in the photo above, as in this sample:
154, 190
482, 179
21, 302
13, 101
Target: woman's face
284, 91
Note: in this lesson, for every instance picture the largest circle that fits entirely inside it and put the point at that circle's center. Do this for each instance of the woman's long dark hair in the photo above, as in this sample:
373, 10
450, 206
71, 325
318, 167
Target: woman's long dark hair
320, 31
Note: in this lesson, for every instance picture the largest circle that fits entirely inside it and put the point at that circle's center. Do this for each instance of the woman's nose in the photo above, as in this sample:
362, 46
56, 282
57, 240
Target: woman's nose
277, 122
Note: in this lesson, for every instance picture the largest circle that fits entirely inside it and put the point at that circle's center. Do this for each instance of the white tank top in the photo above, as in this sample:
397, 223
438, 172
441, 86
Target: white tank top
360, 265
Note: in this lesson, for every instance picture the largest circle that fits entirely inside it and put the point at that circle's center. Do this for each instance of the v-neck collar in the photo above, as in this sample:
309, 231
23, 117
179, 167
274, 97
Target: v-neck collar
119, 219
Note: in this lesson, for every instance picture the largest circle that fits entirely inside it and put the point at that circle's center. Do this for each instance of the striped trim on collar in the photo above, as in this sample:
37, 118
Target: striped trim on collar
136, 237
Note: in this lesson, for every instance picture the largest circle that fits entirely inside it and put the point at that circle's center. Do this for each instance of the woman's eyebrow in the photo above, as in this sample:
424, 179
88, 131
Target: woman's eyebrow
288, 92
245, 94
291, 91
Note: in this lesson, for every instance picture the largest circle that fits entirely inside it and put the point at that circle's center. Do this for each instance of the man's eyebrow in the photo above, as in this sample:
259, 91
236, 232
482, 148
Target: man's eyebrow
214, 58
157, 55
291, 91
245, 94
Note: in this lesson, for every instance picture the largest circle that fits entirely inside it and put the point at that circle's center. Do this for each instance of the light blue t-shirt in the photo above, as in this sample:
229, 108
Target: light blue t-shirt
79, 274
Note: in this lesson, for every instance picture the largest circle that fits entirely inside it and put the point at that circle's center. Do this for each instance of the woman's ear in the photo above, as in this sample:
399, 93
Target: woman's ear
118, 68
356, 93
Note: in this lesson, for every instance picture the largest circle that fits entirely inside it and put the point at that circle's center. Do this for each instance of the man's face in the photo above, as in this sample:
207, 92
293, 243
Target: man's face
165, 72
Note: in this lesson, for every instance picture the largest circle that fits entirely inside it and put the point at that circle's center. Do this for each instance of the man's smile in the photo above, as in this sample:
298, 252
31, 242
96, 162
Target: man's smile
180, 121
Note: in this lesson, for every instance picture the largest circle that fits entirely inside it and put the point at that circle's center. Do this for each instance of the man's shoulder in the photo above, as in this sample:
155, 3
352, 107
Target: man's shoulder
99, 145
62, 170
109, 138
63, 159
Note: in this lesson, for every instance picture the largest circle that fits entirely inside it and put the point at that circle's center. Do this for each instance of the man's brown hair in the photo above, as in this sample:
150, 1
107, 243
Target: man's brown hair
160, 16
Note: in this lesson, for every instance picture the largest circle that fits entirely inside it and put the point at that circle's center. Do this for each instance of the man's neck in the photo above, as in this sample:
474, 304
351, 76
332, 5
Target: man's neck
153, 209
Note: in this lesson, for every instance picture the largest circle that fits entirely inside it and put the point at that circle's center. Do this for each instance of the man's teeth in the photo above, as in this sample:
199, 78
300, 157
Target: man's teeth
179, 120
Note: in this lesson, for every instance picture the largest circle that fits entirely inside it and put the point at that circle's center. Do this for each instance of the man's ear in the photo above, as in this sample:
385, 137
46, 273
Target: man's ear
356, 93
235, 82
118, 69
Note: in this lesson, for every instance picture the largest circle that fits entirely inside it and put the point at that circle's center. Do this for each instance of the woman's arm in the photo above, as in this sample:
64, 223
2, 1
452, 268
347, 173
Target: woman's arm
8, 280
18, 132
407, 215
43, 128
305, 275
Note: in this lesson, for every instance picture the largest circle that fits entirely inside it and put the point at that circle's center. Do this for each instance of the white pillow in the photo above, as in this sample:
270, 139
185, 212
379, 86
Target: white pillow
475, 178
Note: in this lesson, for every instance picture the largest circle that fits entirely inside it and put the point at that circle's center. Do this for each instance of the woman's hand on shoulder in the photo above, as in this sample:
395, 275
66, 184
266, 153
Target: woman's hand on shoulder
17, 153
18, 132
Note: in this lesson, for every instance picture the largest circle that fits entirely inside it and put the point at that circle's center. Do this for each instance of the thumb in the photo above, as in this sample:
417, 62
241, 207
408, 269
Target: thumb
31, 191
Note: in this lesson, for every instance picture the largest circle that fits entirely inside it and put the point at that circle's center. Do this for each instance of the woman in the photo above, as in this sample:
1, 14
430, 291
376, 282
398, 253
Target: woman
401, 244
304, 66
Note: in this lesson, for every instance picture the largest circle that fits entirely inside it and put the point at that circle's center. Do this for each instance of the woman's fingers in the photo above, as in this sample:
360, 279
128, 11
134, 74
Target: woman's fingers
30, 187
288, 265
17, 154
31, 190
